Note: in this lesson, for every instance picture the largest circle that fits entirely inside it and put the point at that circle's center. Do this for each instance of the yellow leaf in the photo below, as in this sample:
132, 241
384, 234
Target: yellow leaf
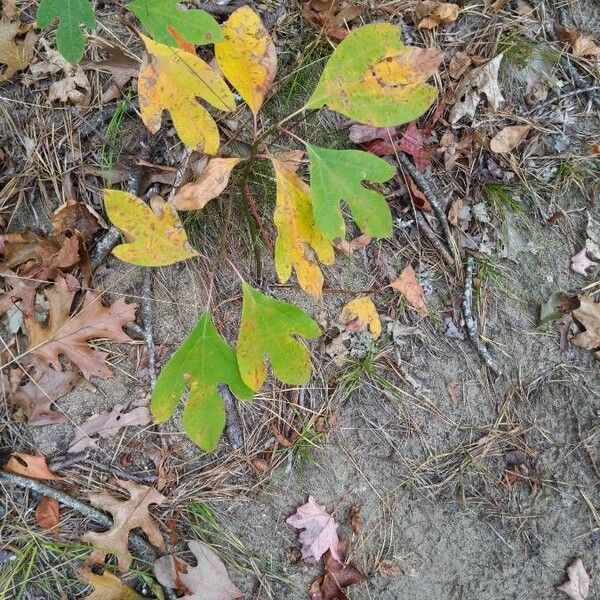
247, 56
107, 587
213, 180
298, 238
172, 79
360, 314
153, 233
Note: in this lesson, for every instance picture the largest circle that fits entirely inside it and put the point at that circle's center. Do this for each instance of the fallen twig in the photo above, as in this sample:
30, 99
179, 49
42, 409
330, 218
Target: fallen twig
104, 246
557, 99
147, 312
471, 320
233, 429
432, 236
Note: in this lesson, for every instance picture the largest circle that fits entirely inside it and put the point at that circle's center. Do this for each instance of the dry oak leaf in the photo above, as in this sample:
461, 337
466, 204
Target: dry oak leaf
127, 515
17, 41
173, 79
505, 141
582, 45
213, 180
410, 288
47, 514
580, 263
208, 580
299, 243
107, 587
331, 15
154, 235
76, 216
432, 14
68, 335
360, 314
247, 56
578, 585
30, 465
320, 530
588, 314
337, 576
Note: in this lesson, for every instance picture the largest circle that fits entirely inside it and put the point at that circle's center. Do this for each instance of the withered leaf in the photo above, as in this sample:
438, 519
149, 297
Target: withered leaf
432, 14
47, 514
578, 585
337, 576
331, 15
30, 465
509, 138
411, 289
76, 216
17, 41
588, 314
107, 587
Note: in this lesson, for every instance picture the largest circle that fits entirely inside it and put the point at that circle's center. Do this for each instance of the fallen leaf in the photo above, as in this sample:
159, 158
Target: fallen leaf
331, 15
359, 134
410, 288
269, 327
582, 45
360, 314
208, 580
588, 314
337, 576
154, 235
107, 424
414, 143
68, 335
247, 56
454, 149
107, 587
374, 79
30, 465
203, 362
17, 41
433, 14
127, 515
338, 175
76, 216
355, 520
299, 242
578, 585
71, 15
509, 138
320, 530
172, 79
580, 263
390, 569
459, 64
496, 6
165, 20
213, 180
481, 80
47, 514
348, 247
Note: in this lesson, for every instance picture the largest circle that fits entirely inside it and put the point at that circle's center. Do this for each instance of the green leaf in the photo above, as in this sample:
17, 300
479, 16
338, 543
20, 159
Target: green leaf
202, 362
373, 78
161, 17
337, 175
268, 328
71, 14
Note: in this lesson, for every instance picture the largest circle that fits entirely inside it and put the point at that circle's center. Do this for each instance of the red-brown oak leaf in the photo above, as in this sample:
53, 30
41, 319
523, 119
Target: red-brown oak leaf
338, 575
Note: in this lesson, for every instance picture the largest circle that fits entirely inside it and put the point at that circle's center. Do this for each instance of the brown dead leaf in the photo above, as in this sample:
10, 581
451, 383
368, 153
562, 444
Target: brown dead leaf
582, 45
390, 569
331, 15
578, 585
349, 247
433, 14
337, 576
410, 288
17, 41
580, 263
459, 64
213, 180
47, 514
588, 314
355, 520
505, 141
30, 465
496, 6
127, 515
76, 216
68, 335
320, 530
208, 580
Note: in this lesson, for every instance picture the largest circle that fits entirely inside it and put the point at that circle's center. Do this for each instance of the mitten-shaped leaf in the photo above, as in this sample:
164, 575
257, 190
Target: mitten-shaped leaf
202, 362
71, 14
164, 19
172, 79
247, 56
337, 175
298, 239
153, 233
268, 328
373, 78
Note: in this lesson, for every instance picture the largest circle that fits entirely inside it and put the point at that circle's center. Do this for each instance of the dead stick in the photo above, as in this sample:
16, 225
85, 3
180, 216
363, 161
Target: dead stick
104, 246
138, 544
471, 320
233, 429
432, 236
254, 210
147, 310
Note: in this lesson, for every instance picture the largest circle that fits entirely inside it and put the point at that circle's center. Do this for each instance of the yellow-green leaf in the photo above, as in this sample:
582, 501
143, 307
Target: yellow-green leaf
153, 234
360, 314
173, 79
247, 56
299, 243
107, 587
269, 328
373, 78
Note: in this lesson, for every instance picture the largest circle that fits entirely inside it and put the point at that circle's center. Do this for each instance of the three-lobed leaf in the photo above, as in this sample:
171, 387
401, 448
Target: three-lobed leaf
164, 20
337, 175
269, 328
153, 234
297, 235
172, 79
373, 78
71, 14
202, 362
247, 56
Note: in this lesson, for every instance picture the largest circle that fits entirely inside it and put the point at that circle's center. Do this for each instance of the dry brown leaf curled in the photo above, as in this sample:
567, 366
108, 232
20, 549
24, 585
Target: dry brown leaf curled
411, 289
505, 141
30, 465
433, 14
588, 314
47, 514
17, 41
